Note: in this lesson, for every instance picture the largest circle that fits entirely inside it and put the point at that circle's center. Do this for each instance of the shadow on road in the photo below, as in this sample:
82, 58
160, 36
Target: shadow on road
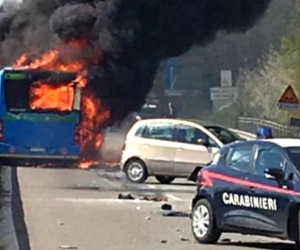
266, 245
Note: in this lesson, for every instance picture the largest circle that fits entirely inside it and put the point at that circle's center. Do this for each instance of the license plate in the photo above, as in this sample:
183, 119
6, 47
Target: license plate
37, 149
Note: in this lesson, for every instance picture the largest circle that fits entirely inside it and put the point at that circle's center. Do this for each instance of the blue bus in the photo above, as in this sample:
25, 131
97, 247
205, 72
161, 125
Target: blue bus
37, 135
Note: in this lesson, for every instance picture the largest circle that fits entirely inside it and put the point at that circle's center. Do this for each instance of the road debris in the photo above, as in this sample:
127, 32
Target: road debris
67, 247
226, 240
156, 198
148, 218
138, 208
183, 238
146, 197
166, 206
164, 241
172, 213
123, 196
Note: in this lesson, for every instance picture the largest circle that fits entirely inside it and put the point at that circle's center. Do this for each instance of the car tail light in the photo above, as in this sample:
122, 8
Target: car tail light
1, 131
77, 135
203, 178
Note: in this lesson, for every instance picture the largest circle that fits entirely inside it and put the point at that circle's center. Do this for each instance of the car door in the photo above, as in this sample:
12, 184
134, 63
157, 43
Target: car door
231, 194
159, 147
189, 153
274, 202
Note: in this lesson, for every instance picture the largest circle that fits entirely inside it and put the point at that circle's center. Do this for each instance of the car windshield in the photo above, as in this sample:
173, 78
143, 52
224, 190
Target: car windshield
224, 135
294, 154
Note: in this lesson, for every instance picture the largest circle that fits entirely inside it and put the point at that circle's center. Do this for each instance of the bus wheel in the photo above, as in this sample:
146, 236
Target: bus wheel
136, 171
164, 179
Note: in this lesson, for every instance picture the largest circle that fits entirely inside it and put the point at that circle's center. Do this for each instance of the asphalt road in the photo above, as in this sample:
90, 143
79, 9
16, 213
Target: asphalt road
67, 208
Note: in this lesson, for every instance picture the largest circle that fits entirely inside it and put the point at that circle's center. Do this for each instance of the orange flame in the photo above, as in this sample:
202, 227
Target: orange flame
44, 96
61, 96
50, 61
94, 115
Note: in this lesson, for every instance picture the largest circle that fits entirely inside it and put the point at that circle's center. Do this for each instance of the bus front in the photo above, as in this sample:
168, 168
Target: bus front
39, 118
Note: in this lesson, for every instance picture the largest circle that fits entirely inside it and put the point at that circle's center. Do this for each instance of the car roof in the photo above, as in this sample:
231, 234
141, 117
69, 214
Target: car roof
285, 142
199, 122
205, 123
156, 119
281, 142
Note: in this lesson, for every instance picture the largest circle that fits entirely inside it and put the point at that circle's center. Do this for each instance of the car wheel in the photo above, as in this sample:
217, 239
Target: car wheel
136, 171
204, 226
164, 179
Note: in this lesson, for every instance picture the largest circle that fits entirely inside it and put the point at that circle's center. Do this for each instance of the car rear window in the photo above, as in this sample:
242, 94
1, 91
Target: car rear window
140, 131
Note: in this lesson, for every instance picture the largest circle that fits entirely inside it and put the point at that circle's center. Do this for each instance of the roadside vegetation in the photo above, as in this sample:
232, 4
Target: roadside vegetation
260, 88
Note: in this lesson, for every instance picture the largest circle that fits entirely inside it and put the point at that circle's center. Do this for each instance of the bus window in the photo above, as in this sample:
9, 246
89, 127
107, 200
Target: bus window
46, 97
77, 99
17, 95
39, 94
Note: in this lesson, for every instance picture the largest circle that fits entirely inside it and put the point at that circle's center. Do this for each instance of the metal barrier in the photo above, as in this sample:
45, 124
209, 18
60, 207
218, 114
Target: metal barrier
244, 134
251, 125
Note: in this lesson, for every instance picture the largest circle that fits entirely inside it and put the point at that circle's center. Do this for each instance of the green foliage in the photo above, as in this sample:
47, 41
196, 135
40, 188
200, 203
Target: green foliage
291, 48
227, 116
261, 88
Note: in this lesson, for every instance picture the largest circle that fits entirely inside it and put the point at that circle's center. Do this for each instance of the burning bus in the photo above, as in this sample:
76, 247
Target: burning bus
39, 117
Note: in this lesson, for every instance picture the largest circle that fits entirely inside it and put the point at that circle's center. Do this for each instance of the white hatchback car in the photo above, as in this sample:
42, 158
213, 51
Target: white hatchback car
170, 148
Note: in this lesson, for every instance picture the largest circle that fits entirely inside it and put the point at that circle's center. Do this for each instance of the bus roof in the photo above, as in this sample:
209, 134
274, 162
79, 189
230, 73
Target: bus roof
15, 68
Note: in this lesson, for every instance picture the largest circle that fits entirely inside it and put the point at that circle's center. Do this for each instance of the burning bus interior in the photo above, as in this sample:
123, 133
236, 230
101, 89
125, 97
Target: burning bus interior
39, 90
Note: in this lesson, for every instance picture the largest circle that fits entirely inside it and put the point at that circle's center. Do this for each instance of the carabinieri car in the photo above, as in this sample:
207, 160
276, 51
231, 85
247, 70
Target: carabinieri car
250, 187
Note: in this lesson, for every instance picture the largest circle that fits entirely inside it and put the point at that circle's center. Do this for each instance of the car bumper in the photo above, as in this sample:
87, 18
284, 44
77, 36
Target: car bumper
38, 160
122, 163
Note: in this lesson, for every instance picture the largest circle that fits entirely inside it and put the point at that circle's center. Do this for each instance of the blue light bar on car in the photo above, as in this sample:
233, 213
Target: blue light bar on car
264, 132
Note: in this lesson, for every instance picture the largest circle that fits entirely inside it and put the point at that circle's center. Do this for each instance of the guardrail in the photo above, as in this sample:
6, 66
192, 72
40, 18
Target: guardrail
244, 134
251, 125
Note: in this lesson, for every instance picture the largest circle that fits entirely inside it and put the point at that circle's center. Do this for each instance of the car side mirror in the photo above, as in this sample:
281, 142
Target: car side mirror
277, 173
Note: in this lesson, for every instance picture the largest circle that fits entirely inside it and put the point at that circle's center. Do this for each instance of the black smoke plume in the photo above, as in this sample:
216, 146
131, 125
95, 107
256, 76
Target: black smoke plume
132, 36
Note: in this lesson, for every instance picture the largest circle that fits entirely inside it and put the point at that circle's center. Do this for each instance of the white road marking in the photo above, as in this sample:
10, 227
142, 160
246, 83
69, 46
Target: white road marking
103, 200
166, 187
148, 186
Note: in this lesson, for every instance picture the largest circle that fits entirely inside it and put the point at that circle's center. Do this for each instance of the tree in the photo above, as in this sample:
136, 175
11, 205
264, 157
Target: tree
291, 47
261, 88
